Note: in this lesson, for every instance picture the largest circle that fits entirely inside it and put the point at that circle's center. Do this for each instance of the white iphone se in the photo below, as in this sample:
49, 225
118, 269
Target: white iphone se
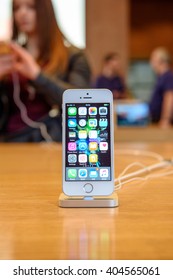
88, 142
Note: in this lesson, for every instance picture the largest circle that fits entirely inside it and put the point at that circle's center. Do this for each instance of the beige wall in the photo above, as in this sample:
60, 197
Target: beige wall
107, 29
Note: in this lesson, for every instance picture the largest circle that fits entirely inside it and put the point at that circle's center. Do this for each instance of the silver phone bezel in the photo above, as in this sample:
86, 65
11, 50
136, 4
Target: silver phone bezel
76, 188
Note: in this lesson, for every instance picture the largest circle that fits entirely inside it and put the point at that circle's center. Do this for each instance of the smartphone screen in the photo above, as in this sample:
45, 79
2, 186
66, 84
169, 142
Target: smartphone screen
87, 142
4, 48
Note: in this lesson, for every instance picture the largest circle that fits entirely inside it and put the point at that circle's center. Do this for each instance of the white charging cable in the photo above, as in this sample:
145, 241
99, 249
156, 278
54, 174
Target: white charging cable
23, 110
145, 169
145, 178
134, 176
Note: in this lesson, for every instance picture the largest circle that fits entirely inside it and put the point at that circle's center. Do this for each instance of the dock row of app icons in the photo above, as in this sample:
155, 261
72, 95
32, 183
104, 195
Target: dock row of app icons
91, 146
83, 173
92, 123
83, 111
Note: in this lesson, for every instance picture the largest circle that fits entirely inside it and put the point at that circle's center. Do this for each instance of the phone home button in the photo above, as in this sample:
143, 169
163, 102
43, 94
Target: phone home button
88, 188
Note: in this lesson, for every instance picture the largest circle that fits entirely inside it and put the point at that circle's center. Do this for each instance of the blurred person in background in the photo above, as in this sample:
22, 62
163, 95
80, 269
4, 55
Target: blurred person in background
110, 77
44, 67
161, 104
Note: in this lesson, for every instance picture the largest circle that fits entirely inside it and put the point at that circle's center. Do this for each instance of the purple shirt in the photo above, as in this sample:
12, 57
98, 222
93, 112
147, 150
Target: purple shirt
164, 83
35, 104
114, 83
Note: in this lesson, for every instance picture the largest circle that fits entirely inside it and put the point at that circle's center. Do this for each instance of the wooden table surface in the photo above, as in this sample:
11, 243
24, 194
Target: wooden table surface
32, 226
150, 133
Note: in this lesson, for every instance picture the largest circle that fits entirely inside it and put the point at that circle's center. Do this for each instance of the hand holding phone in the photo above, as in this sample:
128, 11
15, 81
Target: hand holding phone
88, 142
25, 64
6, 59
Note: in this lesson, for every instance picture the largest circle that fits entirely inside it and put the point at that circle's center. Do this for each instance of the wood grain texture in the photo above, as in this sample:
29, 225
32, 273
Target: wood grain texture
32, 226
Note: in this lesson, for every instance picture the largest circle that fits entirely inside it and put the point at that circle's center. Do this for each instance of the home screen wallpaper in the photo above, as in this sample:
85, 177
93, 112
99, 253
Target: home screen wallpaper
88, 151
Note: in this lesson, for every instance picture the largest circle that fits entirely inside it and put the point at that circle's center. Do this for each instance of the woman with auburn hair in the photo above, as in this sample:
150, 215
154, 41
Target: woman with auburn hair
34, 72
